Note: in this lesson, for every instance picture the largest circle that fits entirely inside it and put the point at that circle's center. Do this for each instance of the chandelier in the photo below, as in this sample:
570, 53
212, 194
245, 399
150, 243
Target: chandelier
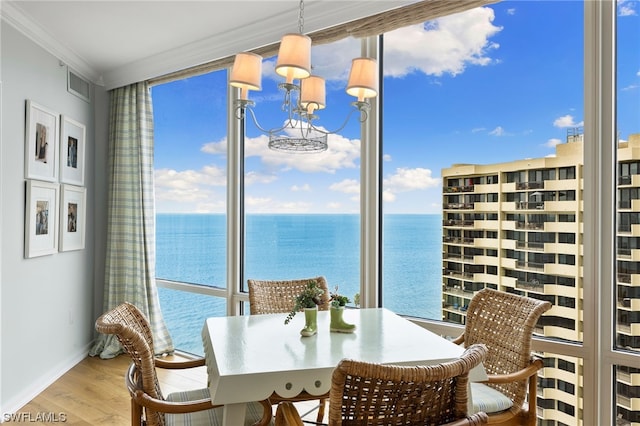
304, 93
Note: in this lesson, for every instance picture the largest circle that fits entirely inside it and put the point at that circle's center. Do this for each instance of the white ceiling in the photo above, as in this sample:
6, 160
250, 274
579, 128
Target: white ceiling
118, 42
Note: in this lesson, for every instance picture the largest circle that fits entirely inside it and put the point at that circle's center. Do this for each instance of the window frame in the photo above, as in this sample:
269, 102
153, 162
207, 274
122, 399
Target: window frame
597, 350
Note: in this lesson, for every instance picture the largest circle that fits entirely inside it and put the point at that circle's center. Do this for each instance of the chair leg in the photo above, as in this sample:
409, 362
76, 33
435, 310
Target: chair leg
136, 414
530, 415
267, 414
323, 403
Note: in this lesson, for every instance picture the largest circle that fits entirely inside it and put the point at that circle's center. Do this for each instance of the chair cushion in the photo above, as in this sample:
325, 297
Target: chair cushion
488, 399
207, 417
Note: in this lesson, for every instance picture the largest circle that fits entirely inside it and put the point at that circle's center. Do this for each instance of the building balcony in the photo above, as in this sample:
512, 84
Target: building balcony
458, 240
522, 264
533, 285
457, 291
632, 329
458, 223
530, 225
631, 404
459, 188
529, 185
531, 245
525, 205
458, 206
629, 304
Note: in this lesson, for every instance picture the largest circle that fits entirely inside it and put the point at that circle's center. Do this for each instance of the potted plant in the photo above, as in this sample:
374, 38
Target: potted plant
308, 301
338, 302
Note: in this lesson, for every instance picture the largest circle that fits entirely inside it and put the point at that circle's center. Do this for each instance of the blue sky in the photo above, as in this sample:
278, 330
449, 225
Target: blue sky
489, 85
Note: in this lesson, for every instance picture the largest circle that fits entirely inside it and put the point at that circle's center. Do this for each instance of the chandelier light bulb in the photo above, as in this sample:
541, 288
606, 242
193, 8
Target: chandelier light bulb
363, 78
313, 94
294, 57
246, 73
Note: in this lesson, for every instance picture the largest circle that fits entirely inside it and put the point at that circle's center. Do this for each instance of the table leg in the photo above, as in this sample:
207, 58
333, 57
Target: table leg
233, 414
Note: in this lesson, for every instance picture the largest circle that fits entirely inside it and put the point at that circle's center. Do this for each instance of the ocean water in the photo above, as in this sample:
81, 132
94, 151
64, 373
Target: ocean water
192, 248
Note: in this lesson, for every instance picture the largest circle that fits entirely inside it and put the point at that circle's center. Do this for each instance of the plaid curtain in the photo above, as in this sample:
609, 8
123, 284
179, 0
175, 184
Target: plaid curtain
130, 265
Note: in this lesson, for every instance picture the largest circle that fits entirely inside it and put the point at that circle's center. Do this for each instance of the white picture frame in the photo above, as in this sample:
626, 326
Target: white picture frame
73, 207
41, 143
72, 151
41, 218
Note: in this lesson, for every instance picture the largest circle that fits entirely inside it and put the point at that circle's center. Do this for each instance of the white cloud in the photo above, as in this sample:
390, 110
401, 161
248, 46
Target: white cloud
498, 131
388, 196
406, 179
551, 143
386, 157
334, 205
215, 148
444, 46
478, 129
252, 177
566, 121
626, 8
190, 190
630, 87
172, 179
347, 186
511, 11
306, 187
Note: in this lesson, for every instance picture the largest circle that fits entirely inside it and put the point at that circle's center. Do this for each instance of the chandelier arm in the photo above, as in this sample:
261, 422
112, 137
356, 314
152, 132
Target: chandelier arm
363, 117
287, 124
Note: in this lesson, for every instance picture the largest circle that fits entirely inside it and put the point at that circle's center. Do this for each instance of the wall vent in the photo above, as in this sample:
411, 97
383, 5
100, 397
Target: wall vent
78, 85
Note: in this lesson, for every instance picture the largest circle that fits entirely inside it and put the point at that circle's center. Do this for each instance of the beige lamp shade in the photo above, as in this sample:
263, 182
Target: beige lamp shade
294, 57
246, 73
313, 93
363, 78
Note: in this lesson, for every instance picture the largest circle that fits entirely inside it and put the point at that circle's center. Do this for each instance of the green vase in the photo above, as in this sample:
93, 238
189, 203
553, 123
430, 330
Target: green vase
310, 322
337, 323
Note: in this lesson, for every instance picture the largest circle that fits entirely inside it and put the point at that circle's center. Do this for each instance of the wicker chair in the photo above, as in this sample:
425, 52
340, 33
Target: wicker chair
278, 297
504, 322
374, 394
148, 405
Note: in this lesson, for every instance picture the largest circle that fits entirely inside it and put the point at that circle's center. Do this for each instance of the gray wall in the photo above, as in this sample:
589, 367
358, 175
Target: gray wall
48, 304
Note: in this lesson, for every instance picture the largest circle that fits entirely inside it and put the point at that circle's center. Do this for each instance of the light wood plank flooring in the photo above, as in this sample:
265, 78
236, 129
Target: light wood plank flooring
93, 393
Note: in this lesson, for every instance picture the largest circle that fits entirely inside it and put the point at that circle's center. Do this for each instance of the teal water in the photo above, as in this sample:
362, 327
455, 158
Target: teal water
192, 248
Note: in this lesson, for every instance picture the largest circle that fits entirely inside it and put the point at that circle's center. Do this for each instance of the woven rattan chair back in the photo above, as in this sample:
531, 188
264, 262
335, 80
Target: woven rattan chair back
277, 297
374, 394
504, 322
132, 330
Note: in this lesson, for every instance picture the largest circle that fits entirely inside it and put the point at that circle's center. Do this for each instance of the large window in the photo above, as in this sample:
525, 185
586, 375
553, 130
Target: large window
492, 142
190, 184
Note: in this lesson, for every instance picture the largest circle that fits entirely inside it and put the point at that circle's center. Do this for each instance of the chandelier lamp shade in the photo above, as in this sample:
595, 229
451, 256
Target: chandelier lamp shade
304, 93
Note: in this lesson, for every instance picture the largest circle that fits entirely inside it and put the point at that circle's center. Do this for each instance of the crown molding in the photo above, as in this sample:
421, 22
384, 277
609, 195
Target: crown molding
319, 14
13, 16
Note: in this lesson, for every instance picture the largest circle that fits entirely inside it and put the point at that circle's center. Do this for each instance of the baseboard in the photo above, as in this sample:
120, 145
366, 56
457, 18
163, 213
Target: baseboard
14, 404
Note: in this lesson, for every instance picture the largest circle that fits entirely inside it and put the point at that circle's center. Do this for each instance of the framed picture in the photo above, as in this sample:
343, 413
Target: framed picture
72, 217
72, 147
41, 143
41, 218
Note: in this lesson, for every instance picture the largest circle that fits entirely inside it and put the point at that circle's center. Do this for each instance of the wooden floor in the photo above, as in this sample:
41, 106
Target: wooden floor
93, 393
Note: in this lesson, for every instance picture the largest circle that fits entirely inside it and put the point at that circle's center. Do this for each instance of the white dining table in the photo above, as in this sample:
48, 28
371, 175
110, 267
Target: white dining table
250, 357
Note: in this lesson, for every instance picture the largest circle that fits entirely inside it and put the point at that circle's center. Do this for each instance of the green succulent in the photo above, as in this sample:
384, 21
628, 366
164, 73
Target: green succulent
309, 298
338, 300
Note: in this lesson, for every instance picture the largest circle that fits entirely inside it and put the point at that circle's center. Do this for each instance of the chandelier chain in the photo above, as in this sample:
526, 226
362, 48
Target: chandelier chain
301, 17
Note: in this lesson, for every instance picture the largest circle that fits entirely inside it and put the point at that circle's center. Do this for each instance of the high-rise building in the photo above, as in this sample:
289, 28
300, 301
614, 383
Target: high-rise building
518, 227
